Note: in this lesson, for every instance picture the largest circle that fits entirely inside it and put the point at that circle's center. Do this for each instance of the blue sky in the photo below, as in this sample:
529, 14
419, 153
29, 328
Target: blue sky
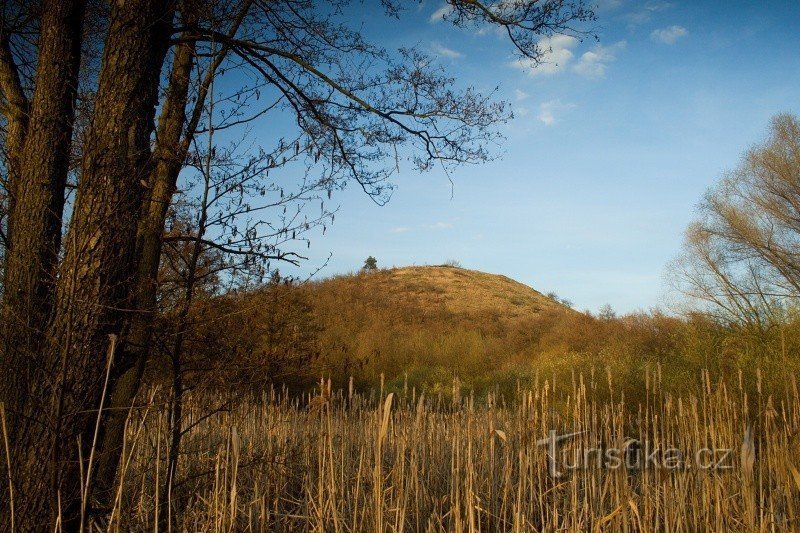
613, 144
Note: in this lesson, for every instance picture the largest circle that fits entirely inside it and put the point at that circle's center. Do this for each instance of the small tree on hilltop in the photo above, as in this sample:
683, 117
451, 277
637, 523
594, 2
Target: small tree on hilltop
607, 312
370, 263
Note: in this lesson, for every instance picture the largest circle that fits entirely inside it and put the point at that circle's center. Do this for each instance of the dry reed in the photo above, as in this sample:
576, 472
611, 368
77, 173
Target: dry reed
348, 462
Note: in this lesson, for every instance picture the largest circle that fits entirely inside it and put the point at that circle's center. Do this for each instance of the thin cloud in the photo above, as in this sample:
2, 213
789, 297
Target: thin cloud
549, 111
520, 95
556, 53
400, 230
443, 51
669, 35
594, 63
491, 29
441, 13
645, 13
608, 5
441, 225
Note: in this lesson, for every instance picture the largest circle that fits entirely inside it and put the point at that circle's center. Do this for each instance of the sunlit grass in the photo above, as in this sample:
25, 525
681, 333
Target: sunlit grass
339, 461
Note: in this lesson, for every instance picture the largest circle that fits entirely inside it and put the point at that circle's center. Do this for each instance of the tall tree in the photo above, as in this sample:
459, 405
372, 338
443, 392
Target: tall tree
38, 178
741, 255
92, 296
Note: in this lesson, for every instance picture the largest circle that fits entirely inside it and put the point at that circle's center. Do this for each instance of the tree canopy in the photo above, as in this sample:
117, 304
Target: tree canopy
741, 257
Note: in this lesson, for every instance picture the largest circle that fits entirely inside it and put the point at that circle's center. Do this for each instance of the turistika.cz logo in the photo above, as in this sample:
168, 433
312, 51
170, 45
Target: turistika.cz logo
632, 455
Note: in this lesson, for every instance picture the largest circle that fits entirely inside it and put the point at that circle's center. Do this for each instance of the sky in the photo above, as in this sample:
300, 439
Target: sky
613, 144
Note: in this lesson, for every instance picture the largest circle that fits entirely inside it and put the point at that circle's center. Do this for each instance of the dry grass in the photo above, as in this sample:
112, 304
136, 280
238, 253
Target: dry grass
463, 291
424, 321
454, 292
345, 462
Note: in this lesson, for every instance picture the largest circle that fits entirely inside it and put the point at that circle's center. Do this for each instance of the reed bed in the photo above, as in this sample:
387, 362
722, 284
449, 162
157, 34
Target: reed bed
407, 461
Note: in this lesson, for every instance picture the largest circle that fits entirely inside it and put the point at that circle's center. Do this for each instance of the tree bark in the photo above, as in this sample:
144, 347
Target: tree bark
16, 114
174, 137
168, 158
39, 173
93, 294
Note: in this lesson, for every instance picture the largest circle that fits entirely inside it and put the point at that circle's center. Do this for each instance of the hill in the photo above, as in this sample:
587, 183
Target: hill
426, 324
460, 294
412, 326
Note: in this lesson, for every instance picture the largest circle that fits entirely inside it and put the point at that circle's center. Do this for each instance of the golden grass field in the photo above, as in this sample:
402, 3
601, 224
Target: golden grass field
340, 461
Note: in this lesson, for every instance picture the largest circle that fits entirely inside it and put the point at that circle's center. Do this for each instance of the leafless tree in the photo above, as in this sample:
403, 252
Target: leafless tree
742, 254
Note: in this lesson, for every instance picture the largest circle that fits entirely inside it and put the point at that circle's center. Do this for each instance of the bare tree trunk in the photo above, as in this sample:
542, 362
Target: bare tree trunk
181, 326
170, 516
93, 295
16, 114
38, 207
168, 160
40, 176
174, 136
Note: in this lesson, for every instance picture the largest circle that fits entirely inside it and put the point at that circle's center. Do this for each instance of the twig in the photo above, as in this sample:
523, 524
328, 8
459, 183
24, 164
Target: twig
8, 463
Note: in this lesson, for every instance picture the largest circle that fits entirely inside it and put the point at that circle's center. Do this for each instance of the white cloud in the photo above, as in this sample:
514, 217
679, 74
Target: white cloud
440, 225
440, 13
548, 111
491, 29
645, 13
669, 35
520, 95
443, 51
593, 64
556, 54
608, 5
400, 230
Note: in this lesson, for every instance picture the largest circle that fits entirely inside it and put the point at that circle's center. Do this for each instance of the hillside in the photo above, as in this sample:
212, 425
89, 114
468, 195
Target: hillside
423, 326
427, 322
465, 295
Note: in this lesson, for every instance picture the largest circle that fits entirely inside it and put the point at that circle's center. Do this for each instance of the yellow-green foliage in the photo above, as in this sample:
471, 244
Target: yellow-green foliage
456, 376
429, 322
421, 327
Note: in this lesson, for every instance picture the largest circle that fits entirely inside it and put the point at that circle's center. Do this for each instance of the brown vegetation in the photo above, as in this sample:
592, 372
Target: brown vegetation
107, 116
424, 327
740, 259
334, 461
140, 367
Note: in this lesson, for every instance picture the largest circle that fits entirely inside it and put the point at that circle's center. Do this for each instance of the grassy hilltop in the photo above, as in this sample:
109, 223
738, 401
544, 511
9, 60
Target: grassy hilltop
479, 298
